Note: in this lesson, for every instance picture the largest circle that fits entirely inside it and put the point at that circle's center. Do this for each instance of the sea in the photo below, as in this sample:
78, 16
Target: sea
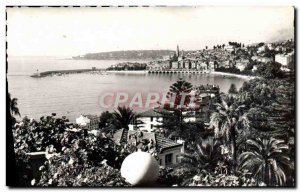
74, 94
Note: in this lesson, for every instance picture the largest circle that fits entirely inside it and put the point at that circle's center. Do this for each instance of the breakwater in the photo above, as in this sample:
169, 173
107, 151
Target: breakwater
60, 72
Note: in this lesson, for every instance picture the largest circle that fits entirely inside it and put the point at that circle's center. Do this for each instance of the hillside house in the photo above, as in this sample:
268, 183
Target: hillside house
89, 122
168, 151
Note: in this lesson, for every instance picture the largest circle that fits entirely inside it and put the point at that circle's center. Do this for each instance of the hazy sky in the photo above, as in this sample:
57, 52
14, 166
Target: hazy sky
76, 31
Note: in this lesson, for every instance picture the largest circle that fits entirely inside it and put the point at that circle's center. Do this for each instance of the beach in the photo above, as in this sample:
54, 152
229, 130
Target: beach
247, 77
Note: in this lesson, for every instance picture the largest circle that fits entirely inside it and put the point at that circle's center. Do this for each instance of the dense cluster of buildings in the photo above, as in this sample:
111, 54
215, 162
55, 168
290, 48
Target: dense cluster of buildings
181, 61
233, 55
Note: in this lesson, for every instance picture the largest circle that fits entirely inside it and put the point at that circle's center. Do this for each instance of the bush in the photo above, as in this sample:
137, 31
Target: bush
73, 168
220, 180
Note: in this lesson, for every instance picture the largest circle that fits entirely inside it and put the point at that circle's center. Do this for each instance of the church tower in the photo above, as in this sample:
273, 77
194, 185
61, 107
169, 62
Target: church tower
177, 51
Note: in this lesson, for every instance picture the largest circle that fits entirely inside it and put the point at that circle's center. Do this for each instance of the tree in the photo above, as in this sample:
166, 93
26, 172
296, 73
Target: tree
181, 103
206, 155
11, 109
267, 160
106, 119
179, 96
232, 89
123, 117
249, 66
226, 121
14, 110
270, 70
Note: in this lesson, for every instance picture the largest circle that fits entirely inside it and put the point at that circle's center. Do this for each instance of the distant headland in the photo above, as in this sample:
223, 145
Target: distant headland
126, 55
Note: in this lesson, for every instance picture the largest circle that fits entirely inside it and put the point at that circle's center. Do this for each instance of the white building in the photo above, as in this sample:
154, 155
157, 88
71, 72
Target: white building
262, 59
202, 66
90, 122
168, 151
166, 58
229, 48
151, 119
261, 49
285, 59
254, 68
241, 64
211, 65
270, 46
175, 65
189, 116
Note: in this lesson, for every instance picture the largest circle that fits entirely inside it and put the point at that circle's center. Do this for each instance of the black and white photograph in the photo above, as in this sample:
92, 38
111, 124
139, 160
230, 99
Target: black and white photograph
151, 96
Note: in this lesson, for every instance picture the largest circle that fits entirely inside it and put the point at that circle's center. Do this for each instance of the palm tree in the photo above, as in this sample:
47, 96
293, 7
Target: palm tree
12, 179
226, 121
206, 156
123, 117
267, 159
13, 103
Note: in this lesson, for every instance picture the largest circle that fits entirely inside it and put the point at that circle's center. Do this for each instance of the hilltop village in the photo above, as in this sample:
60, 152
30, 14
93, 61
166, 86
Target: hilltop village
232, 58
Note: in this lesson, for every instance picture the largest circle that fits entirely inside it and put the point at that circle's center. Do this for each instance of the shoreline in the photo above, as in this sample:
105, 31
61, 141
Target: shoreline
234, 75
129, 72
212, 72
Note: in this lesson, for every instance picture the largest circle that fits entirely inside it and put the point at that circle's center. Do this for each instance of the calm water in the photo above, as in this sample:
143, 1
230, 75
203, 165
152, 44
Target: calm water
74, 94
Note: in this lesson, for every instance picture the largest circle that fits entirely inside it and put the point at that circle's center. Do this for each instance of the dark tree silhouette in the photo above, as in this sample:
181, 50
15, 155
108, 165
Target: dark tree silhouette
123, 117
179, 96
12, 174
13, 107
232, 89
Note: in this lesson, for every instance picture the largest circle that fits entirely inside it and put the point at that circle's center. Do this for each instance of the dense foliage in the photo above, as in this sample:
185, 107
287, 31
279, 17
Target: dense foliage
248, 142
70, 151
267, 160
128, 66
84, 166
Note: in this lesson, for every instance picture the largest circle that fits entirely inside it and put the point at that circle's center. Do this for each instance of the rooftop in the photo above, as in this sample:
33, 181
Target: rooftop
140, 137
156, 112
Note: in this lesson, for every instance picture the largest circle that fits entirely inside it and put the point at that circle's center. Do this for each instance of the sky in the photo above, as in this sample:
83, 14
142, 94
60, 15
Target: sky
77, 31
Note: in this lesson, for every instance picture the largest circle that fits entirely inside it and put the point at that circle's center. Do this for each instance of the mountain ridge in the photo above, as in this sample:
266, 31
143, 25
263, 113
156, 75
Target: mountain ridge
128, 54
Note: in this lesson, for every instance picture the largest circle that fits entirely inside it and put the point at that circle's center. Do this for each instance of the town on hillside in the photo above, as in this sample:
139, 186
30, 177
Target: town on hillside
233, 58
177, 97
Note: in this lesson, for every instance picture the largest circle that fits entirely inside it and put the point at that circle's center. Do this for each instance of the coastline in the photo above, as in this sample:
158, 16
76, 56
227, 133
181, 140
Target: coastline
234, 75
129, 72
212, 72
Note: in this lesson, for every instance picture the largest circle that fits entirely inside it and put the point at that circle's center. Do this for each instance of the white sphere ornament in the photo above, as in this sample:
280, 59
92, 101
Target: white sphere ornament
140, 168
